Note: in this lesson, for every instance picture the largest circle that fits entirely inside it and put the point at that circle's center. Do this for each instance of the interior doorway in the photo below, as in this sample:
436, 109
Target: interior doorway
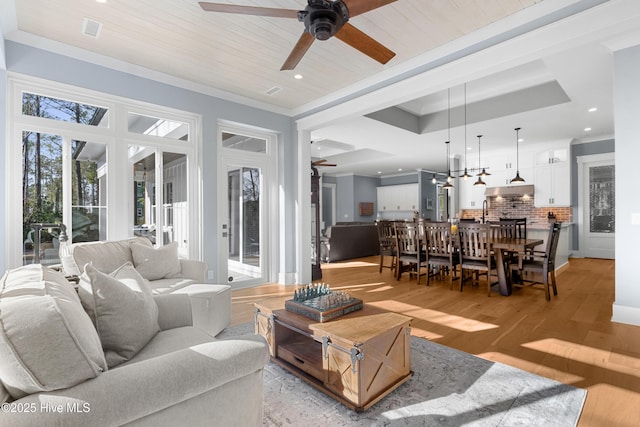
596, 179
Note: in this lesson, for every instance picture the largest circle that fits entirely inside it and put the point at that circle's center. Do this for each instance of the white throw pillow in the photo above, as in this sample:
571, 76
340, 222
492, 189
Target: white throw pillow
121, 306
47, 341
155, 264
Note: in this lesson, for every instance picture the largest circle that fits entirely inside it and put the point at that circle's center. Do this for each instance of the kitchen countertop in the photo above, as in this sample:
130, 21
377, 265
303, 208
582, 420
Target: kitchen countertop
544, 225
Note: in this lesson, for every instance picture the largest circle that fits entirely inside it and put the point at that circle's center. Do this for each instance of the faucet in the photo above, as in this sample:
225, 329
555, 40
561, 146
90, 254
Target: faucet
485, 209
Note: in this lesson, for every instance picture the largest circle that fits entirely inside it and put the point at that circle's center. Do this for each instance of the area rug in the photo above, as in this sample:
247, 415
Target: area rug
448, 388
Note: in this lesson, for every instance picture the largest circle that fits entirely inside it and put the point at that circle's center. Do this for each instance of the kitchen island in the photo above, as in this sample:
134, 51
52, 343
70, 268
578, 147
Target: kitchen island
540, 230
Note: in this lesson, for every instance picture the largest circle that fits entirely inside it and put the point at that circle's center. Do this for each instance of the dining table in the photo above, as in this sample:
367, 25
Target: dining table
500, 245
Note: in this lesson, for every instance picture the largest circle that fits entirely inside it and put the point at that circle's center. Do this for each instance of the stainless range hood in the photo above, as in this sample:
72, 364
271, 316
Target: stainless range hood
511, 190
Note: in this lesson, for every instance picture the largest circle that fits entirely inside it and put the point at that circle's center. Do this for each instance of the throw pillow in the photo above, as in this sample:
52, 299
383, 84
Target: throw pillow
47, 341
155, 264
122, 308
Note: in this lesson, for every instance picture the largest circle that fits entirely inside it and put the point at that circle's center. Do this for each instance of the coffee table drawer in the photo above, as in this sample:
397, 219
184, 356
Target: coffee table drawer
305, 355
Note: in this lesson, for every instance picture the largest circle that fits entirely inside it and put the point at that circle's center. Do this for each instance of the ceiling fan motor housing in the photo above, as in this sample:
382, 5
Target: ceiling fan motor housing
324, 18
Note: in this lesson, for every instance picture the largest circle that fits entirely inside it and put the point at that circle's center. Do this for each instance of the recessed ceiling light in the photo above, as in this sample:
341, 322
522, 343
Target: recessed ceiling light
468, 148
399, 169
592, 109
101, 1
379, 172
587, 129
298, 76
520, 140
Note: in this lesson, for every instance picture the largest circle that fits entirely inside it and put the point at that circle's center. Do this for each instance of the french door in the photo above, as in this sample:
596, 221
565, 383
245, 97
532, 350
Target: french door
245, 185
597, 205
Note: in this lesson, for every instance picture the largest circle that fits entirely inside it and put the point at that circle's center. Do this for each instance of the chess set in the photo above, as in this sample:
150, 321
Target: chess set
320, 303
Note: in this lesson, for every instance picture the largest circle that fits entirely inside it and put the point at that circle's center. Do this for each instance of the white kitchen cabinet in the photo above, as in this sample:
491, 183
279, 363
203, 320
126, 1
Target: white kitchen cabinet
551, 156
471, 196
403, 197
503, 167
552, 185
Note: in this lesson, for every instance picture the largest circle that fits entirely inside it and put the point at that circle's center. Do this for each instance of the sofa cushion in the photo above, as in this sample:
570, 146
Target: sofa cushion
104, 256
122, 308
166, 286
40, 309
4, 394
154, 264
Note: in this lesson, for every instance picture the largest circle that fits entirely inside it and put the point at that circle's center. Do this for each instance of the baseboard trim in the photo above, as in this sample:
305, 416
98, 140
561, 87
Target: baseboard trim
287, 278
626, 314
561, 269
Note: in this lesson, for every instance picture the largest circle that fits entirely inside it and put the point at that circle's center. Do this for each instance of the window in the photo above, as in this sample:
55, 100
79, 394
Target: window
155, 126
244, 143
63, 110
70, 171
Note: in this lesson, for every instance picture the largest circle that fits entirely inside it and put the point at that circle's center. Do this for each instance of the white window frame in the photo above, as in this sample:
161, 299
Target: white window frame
117, 139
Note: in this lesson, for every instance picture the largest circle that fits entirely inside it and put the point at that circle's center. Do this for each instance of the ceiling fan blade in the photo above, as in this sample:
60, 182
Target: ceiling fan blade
301, 47
365, 44
249, 10
322, 162
358, 7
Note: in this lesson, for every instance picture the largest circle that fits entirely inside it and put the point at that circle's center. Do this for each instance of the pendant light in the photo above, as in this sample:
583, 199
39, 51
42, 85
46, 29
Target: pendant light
483, 173
448, 185
517, 178
466, 174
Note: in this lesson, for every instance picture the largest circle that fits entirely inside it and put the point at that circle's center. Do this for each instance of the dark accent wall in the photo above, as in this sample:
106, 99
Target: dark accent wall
350, 191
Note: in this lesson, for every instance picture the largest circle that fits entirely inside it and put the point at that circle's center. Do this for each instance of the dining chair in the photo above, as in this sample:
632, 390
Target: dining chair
537, 267
502, 228
410, 257
520, 226
475, 253
509, 228
440, 246
387, 240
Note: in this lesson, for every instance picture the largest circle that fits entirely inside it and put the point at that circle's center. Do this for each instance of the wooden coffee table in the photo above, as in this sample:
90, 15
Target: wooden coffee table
357, 359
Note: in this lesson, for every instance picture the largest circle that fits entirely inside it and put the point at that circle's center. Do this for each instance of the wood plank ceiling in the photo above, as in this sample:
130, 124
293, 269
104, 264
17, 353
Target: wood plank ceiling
243, 54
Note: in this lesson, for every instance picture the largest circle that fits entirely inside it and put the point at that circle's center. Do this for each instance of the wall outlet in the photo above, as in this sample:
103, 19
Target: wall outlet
210, 274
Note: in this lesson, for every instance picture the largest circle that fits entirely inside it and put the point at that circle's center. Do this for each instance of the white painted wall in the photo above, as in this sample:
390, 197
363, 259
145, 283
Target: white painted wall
626, 308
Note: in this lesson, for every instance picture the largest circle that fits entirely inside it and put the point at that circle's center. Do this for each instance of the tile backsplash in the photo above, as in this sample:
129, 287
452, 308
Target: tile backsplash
518, 207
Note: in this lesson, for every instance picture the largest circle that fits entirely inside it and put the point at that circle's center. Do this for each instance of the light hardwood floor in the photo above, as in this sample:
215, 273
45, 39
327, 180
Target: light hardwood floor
570, 339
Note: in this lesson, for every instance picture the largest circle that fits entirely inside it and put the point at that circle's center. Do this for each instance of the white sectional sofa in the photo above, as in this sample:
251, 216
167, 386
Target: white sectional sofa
55, 343
166, 273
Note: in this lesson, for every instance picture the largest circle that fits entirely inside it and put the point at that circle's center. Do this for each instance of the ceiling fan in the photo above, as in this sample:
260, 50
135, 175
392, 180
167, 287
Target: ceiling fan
322, 162
322, 19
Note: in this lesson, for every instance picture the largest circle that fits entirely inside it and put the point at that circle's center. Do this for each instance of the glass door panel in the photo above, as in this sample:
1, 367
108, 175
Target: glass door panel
144, 192
175, 206
169, 221
41, 196
88, 192
244, 189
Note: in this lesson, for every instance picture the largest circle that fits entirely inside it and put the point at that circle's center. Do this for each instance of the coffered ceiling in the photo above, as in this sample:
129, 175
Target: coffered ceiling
238, 57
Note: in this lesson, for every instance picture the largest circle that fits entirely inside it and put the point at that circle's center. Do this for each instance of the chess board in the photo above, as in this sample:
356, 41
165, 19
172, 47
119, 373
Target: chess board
319, 310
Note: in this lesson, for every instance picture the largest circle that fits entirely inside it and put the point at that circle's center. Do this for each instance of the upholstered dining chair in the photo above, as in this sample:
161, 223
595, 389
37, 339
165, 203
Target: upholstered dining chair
442, 251
475, 253
538, 267
410, 256
387, 240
